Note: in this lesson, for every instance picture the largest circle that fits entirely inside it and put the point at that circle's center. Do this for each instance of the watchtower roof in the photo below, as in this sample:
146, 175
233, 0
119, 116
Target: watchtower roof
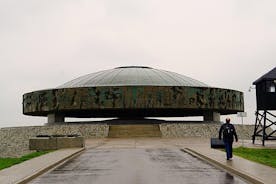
271, 75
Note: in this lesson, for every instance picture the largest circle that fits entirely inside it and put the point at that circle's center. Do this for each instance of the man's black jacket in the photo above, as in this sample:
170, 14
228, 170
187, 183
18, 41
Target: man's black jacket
227, 127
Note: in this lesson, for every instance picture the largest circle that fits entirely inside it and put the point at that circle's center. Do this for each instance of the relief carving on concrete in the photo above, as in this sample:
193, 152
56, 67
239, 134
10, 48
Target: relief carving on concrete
132, 97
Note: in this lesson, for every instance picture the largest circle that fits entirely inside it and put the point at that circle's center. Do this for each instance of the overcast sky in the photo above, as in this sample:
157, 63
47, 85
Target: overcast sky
46, 43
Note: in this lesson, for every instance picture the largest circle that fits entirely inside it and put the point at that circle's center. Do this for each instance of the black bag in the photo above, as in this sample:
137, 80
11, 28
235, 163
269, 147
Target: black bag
216, 143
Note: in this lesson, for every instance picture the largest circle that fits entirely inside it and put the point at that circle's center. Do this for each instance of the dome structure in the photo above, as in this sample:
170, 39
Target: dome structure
132, 91
133, 76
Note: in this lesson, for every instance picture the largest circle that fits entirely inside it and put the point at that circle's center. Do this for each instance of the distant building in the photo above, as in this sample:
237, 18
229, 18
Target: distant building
133, 92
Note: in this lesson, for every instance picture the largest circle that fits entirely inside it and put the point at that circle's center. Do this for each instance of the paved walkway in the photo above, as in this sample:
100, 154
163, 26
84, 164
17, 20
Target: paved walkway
254, 172
200, 147
136, 166
22, 173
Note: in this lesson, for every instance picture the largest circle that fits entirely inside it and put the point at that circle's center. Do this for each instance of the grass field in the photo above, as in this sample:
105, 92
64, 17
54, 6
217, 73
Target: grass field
7, 162
263, 156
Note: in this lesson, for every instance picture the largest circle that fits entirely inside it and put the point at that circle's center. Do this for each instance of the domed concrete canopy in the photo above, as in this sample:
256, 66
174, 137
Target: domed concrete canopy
133, 76
132, 92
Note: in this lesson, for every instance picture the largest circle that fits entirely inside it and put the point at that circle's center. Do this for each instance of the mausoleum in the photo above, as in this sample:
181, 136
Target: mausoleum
133, 92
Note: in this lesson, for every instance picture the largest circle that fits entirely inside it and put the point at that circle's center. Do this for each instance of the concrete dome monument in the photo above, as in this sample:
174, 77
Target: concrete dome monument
132, 92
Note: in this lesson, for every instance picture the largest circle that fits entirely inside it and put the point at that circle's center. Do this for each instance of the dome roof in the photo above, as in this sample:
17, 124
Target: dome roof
133, 76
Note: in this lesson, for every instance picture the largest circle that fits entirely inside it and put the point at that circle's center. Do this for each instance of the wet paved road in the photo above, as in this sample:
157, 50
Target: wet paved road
136, 166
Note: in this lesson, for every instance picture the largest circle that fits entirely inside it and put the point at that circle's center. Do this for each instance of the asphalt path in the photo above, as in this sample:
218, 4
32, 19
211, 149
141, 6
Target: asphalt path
136, 166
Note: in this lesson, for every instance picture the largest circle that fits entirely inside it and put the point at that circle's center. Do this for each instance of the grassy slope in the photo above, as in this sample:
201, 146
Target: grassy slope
7, 162
263, 156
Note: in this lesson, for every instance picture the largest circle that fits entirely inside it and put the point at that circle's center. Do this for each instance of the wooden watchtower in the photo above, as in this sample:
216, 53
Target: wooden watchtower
266, 104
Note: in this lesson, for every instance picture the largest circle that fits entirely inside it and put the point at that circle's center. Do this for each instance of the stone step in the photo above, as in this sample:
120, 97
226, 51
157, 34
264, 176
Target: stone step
117, 131
132, 135
113, 135
133, 128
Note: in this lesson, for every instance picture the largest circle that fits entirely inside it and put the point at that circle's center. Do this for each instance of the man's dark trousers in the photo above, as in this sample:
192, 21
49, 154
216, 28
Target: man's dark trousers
228, 149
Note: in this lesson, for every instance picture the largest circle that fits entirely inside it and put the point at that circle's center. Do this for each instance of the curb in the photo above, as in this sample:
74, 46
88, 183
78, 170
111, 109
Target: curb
44, 170
237, 172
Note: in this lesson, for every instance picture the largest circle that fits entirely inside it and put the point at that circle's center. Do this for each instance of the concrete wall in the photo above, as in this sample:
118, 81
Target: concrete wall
14, 142
54, 143
207, 130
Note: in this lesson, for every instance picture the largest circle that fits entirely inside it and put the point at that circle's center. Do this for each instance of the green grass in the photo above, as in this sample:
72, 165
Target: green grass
263, 156
7, 162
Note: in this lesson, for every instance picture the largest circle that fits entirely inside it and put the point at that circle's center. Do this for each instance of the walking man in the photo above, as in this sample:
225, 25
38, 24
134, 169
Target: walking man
228, 131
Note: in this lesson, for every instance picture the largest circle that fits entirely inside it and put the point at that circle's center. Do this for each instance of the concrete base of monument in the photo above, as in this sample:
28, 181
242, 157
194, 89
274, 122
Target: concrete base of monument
14, 141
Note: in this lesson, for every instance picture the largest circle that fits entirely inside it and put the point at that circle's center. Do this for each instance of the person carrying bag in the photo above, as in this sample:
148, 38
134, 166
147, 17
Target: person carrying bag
228, 131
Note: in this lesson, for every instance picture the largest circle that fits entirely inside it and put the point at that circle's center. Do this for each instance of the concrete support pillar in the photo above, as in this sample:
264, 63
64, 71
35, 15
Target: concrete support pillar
211, 116
55, 118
